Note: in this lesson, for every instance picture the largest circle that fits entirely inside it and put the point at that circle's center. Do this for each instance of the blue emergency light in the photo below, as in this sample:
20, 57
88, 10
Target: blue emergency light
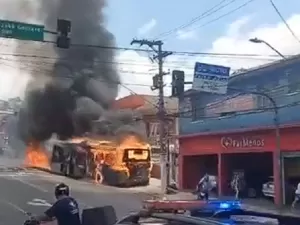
215, 205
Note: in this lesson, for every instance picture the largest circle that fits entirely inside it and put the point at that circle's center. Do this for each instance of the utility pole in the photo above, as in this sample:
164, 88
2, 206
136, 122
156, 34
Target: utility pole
158, 84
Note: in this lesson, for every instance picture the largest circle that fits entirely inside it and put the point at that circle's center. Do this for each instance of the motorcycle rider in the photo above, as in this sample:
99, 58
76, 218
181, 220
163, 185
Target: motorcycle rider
203, 188
65, 210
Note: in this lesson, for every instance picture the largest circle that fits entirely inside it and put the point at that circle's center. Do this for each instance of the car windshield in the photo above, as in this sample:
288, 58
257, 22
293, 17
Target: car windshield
212, 177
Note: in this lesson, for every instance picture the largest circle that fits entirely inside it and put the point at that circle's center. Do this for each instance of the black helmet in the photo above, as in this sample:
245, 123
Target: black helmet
61, 189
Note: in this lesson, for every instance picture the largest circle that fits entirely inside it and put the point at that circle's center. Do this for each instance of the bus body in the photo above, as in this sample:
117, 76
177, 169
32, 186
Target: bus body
122, 164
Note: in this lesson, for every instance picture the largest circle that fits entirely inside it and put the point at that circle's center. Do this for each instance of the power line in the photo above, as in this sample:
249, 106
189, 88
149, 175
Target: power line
174, 52
220, 17
247, 111
43, 70
196, 19
51, 64
284, 21
216, 102
237, 113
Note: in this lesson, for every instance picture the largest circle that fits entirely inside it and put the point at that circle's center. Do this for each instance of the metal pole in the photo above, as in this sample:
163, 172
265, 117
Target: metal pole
276, 154
162, 121
274, 49
160, 55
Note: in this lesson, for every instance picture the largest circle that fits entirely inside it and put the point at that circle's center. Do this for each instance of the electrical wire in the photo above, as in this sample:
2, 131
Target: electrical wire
39, 69
248, 92
220, 17
189, 113
194, 20
48, 64
173, 52
206, 54
284, 21
110, 82
49, 71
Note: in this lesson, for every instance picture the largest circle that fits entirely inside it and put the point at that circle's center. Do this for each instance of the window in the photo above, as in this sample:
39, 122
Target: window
57, 154
136, 155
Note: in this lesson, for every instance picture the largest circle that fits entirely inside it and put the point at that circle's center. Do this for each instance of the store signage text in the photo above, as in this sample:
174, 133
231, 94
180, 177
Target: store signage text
242, 142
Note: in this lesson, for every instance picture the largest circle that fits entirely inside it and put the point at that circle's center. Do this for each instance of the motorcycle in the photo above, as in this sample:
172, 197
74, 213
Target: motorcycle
31, 220
200, 195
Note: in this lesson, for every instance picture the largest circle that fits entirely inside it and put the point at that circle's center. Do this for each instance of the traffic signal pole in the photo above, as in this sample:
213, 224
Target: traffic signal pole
158, 84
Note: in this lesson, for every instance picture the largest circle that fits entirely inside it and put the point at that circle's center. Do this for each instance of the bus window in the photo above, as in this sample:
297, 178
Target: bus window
57, 154
136, 155
81, 159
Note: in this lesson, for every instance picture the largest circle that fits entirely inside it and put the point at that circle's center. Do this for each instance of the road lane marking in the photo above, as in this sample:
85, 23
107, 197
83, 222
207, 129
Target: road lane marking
39, 202
16, 207
31, 185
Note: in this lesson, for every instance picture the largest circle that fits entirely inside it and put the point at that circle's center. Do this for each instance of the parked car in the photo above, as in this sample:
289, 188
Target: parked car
268, 189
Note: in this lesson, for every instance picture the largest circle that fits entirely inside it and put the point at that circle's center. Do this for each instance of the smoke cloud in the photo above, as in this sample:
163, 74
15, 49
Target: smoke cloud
76, 95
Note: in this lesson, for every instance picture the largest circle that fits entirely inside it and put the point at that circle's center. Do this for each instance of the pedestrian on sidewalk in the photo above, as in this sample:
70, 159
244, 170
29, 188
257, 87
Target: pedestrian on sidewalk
235, 185
297, 196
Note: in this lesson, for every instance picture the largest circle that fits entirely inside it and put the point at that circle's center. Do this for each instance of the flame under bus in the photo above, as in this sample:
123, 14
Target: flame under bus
124, 164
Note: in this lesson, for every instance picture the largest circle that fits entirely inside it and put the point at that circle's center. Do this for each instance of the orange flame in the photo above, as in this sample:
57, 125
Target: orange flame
36, 156
105, 152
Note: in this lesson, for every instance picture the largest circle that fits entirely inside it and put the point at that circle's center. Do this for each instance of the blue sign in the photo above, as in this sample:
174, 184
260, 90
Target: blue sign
211, 78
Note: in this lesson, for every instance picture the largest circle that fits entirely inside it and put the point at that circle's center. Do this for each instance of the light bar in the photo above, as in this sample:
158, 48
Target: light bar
191, 205
172, 204
224, 205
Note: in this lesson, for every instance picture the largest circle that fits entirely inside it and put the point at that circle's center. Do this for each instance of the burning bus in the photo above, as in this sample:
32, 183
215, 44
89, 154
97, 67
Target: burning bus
121, 163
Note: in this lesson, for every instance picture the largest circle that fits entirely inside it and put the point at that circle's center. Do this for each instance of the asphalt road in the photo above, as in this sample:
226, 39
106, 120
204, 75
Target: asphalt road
32, 191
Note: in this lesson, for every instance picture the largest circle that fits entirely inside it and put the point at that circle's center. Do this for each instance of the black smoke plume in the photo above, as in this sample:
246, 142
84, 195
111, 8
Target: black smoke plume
76, 95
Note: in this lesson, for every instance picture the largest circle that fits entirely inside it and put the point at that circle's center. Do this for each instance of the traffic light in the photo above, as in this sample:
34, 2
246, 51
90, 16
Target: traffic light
177, 83
156, 83
63, 30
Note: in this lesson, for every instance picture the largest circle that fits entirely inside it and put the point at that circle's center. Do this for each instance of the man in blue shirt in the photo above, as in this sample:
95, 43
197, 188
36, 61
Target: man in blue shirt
65, 210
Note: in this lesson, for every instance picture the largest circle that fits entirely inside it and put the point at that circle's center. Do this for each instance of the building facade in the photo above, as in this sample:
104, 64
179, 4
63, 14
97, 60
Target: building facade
242, 121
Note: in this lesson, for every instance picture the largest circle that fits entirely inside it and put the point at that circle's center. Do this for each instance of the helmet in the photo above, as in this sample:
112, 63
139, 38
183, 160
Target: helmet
61, 189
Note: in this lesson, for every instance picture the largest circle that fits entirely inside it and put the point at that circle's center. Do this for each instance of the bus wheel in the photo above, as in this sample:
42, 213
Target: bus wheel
145, 182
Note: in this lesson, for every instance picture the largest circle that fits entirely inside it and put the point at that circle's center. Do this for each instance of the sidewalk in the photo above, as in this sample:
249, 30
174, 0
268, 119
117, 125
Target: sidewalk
261, 205
257, 205
7, 163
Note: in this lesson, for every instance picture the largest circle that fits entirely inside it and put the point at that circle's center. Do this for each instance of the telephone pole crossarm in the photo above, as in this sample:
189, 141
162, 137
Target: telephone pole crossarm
151, 44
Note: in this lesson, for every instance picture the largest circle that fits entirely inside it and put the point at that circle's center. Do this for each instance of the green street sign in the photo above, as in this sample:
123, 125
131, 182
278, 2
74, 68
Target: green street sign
22, 31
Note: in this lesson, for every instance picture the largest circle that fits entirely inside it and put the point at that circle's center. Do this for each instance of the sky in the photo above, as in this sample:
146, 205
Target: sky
185, 28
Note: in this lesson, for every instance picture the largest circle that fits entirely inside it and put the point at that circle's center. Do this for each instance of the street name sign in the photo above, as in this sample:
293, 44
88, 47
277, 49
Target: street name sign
21, 31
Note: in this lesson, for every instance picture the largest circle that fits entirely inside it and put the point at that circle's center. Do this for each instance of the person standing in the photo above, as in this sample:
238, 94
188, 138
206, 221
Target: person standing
235, 185
99, 175
297, 196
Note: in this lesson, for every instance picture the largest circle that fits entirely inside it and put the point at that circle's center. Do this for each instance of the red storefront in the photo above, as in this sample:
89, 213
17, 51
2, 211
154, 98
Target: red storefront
200, 151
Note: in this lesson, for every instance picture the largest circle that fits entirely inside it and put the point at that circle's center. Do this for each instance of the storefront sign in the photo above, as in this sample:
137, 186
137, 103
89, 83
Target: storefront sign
243, 142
